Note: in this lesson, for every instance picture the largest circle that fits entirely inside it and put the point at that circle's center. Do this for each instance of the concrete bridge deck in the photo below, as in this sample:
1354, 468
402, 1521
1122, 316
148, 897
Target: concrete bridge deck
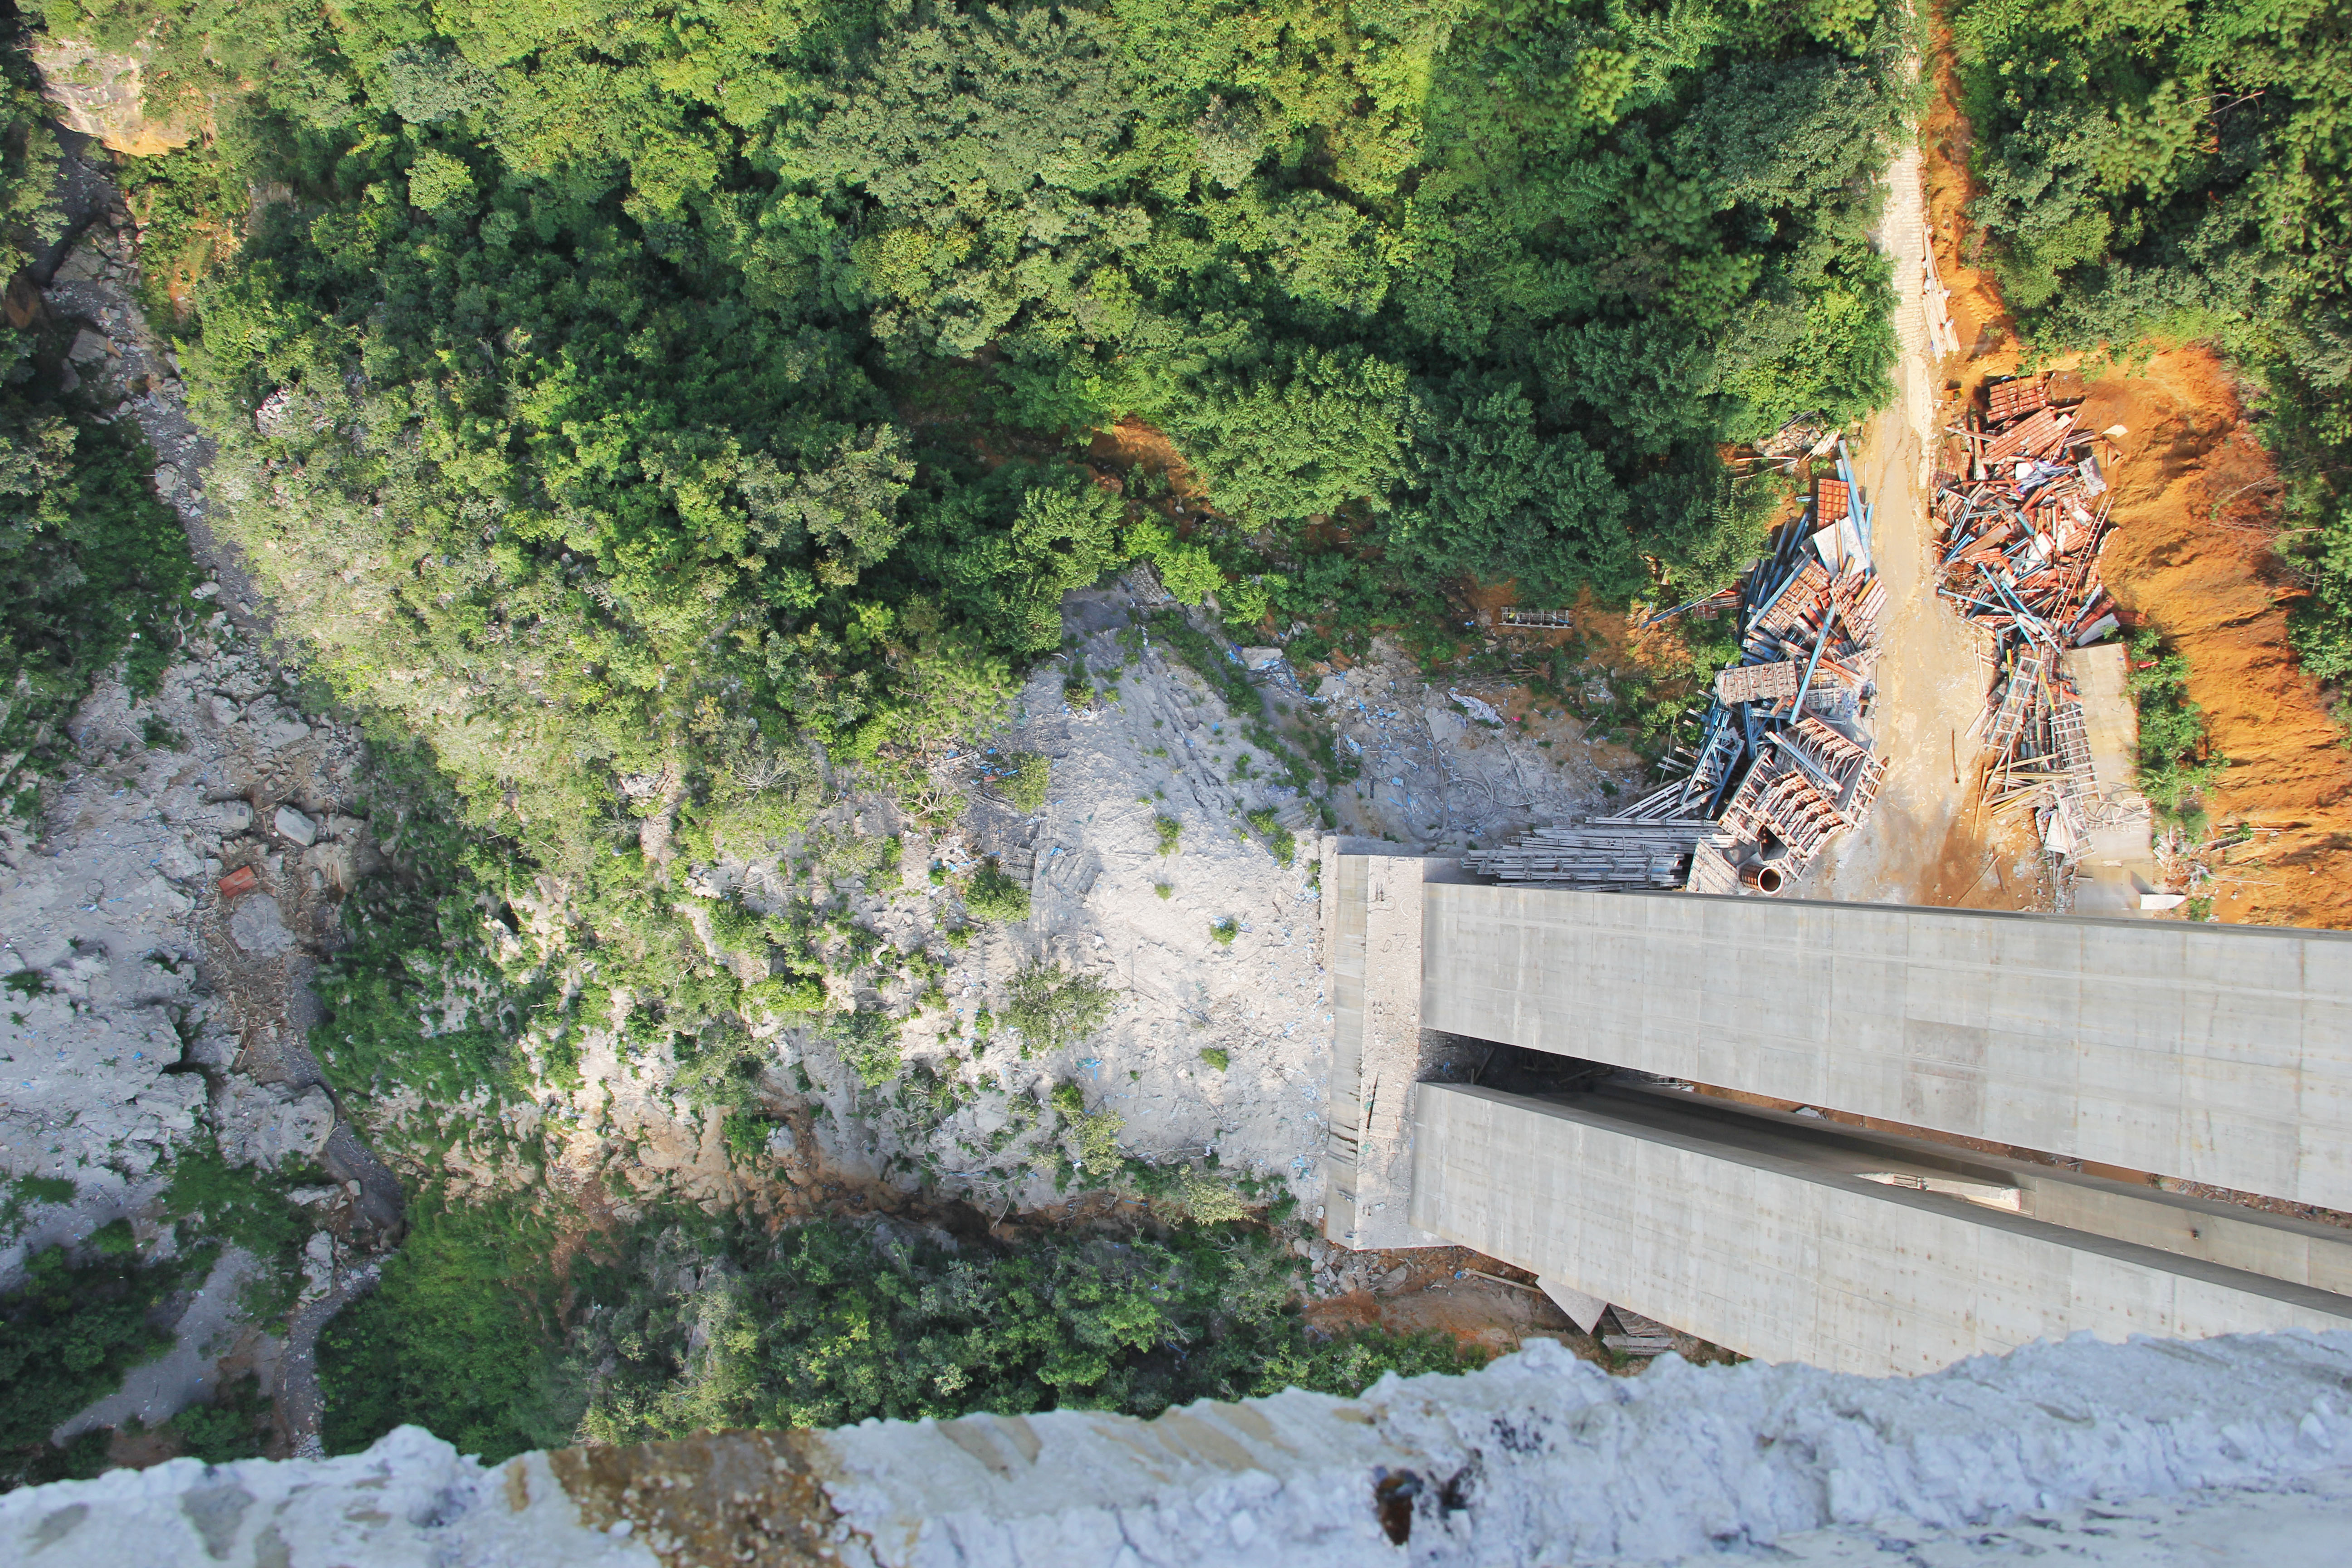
1764, 1245
2213, 1055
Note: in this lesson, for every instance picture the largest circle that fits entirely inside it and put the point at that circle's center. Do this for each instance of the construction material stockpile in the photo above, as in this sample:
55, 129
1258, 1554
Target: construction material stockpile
2022, 505
1782, 765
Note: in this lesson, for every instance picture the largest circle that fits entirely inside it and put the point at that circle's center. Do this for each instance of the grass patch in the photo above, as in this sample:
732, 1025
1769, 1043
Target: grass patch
1025, 785
1279, 840
995, 897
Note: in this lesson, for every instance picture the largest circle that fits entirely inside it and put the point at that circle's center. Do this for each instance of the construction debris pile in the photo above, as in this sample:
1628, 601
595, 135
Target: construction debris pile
2022, 506
1782, 764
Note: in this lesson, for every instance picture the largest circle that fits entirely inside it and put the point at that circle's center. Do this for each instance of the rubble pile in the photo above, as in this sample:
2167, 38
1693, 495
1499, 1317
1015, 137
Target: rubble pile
2022, 505
1782, 765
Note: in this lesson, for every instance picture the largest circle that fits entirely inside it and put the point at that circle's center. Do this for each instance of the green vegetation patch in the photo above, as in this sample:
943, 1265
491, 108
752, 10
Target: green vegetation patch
822, 1324
93, 568
455, 1337
995, 896
1025, 785
1053, 1008
1280, 842
2174, 769
67, 1336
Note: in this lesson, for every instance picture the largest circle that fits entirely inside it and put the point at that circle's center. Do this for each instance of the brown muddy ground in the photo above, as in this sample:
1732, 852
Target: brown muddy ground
1484, 1305
2196, 500
2196, 495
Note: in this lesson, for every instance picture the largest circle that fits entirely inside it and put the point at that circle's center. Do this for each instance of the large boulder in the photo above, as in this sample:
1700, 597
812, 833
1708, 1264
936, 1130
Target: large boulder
101, 93
258, 926
270, 1124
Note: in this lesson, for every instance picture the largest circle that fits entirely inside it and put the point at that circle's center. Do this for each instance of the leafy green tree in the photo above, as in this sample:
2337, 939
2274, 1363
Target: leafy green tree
1053, 1008
67, 1336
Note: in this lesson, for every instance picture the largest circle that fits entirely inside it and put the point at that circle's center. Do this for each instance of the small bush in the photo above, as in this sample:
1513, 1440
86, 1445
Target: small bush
995, 897
1279, 839
1216, 1057
1095, 1133
1209, 1200
1026, 786
868, 1044
1170, 830
2173, 771
1225, 931
1165, 889
1052, 1008
786, 993
232, 1426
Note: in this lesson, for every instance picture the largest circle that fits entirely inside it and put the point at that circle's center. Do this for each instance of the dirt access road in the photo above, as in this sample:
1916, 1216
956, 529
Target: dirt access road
1931, 683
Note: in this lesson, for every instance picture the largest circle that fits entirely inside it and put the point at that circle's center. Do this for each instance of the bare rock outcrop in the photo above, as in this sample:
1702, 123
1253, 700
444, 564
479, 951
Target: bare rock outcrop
271, 1124
102, 93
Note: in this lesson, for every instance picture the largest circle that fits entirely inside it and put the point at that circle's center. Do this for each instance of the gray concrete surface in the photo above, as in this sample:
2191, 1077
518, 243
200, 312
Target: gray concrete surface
2281, 1247
1373, 923
2215, 1054
2118, 864
1789, 1257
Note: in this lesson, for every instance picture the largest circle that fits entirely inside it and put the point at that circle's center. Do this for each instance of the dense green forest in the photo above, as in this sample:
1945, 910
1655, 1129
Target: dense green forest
684, 1324
659, 419
598, 390
2182, 171
656, 421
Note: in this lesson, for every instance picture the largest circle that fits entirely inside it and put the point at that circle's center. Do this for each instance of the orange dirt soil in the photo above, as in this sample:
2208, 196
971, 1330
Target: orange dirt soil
2196, 504
1132, 444
2195, 496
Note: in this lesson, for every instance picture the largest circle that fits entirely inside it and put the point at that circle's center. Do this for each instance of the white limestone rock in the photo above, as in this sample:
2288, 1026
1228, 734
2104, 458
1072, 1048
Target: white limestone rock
258, 926
270, 1124
2230, 1451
